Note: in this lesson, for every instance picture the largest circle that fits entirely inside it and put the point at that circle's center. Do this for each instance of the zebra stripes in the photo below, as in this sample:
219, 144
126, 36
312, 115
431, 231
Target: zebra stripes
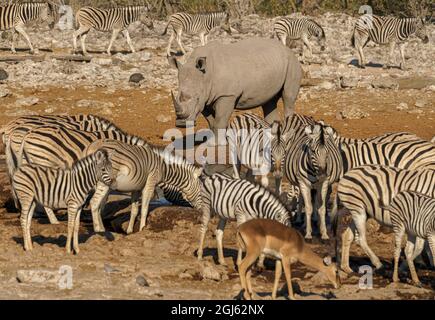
258, 146
58, 188
116, 20
139, 169
387, 30
200, 24
366, 190
15, 16
299, 28
414, 214
235, 199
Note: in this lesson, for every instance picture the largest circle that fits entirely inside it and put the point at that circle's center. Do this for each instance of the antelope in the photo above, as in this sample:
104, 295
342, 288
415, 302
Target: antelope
286, 245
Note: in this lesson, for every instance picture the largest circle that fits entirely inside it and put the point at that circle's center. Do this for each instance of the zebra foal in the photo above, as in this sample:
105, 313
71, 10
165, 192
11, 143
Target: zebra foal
116, 20
235, 199
15, 16
58, 189
387, 30
414, 214
300, 28
201, 24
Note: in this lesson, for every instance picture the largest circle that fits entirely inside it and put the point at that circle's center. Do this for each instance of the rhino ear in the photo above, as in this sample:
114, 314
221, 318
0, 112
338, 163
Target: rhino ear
174, 63
201, 64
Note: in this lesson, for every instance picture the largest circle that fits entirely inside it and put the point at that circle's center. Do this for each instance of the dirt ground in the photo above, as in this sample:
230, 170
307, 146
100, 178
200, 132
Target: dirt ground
160, 262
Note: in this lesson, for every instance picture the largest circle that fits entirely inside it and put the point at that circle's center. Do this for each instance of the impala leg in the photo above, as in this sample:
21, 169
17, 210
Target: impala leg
278, 273
288, 277
244, 266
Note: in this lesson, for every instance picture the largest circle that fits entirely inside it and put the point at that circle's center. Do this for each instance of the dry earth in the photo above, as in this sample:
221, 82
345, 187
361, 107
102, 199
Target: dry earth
160, 262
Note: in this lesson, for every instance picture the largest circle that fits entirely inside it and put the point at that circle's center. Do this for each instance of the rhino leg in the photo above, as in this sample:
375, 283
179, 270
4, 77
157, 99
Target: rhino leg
270, 110
291, 88
224, 107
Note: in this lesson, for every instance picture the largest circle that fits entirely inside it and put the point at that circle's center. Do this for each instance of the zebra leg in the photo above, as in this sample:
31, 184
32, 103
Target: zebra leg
203, 230
168, 49
82, 34
127, 36
360, 219
431, 240
390, 55
14, 39
147, 194
72, 214
306, 194
322, 201
21, 31
308, 47
76, 232
412, 246
283, 39
27, 208
135, 196
83, 43
201, 37
219, 233
97, 205
346, 241
402, 55
278, 273
180, 44
114, 36
51, 216
398, 235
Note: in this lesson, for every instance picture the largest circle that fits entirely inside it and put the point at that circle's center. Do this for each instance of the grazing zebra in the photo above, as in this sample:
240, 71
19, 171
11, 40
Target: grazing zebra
258, 146
15, 16
116, 20
235, 199
387, 30
299, 28
60, 188
414, 214
363, 190
139, 169
13, 134
200, 24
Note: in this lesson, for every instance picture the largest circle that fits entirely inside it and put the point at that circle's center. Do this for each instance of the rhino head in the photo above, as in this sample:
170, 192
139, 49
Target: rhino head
193, 88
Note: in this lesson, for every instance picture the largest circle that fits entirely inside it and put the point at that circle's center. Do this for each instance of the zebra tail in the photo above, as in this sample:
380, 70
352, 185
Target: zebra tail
352, 40
166, 30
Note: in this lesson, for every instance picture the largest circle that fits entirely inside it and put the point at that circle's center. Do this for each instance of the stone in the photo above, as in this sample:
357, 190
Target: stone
3, 74
27, 102
38, 276
141, 281
102, 61
420, 103
385, 83
351, 113
162, 118
402, 106
210, 272
136, 78
4, 92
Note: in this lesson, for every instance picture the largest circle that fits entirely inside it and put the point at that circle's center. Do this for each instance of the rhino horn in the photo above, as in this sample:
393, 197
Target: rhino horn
174, 101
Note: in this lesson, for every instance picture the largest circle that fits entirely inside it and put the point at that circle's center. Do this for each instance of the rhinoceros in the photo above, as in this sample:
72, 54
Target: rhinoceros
218, 78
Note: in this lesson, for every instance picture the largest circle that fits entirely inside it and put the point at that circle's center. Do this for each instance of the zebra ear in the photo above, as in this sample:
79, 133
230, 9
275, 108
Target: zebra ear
329, 130
101, 155
201, 64
198, 172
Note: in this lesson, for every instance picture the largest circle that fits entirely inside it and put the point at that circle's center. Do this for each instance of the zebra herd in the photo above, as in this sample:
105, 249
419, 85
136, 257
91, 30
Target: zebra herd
380, 30
58, 161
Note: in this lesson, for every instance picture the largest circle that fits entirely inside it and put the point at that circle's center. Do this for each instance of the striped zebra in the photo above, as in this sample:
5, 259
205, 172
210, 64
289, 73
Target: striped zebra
366, 190
139, 169
173, 195
299, 28
15, 16
387, 30
13, 134
61, 147
257, 145
115, 19
59, 188
235, 199
201, 24
414, 214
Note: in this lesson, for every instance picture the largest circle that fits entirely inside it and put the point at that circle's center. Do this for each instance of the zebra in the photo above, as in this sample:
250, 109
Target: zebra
13, 134
414, 214
60, 188
299, 28
235, 199
258, 146
139, 169
173, 195
201, 24
115, 19
362, 191
61, 147
387, 30
15, 16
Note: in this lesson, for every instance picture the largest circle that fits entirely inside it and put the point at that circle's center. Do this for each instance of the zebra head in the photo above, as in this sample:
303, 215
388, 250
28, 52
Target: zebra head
421, 30
104, 166
316, 148
278, 148
319, 34
146, 20
192, 189
225, 23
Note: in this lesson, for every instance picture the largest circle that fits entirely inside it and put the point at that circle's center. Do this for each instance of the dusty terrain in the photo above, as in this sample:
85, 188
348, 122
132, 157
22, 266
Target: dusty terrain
160, 262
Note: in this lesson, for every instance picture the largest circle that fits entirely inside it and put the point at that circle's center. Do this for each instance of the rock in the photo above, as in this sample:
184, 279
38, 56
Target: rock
185, 275
37, 276
27, 102
141, 281
102, 61
420, 103
136, 78
210, 272
385, 83
3, 74
4, 92
402, 106
109, 269
346, 82
162, 118
352, 113
94, 104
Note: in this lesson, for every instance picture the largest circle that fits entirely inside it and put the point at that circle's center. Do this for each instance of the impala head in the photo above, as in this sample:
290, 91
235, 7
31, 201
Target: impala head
421, 30
104, 166
331, 272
